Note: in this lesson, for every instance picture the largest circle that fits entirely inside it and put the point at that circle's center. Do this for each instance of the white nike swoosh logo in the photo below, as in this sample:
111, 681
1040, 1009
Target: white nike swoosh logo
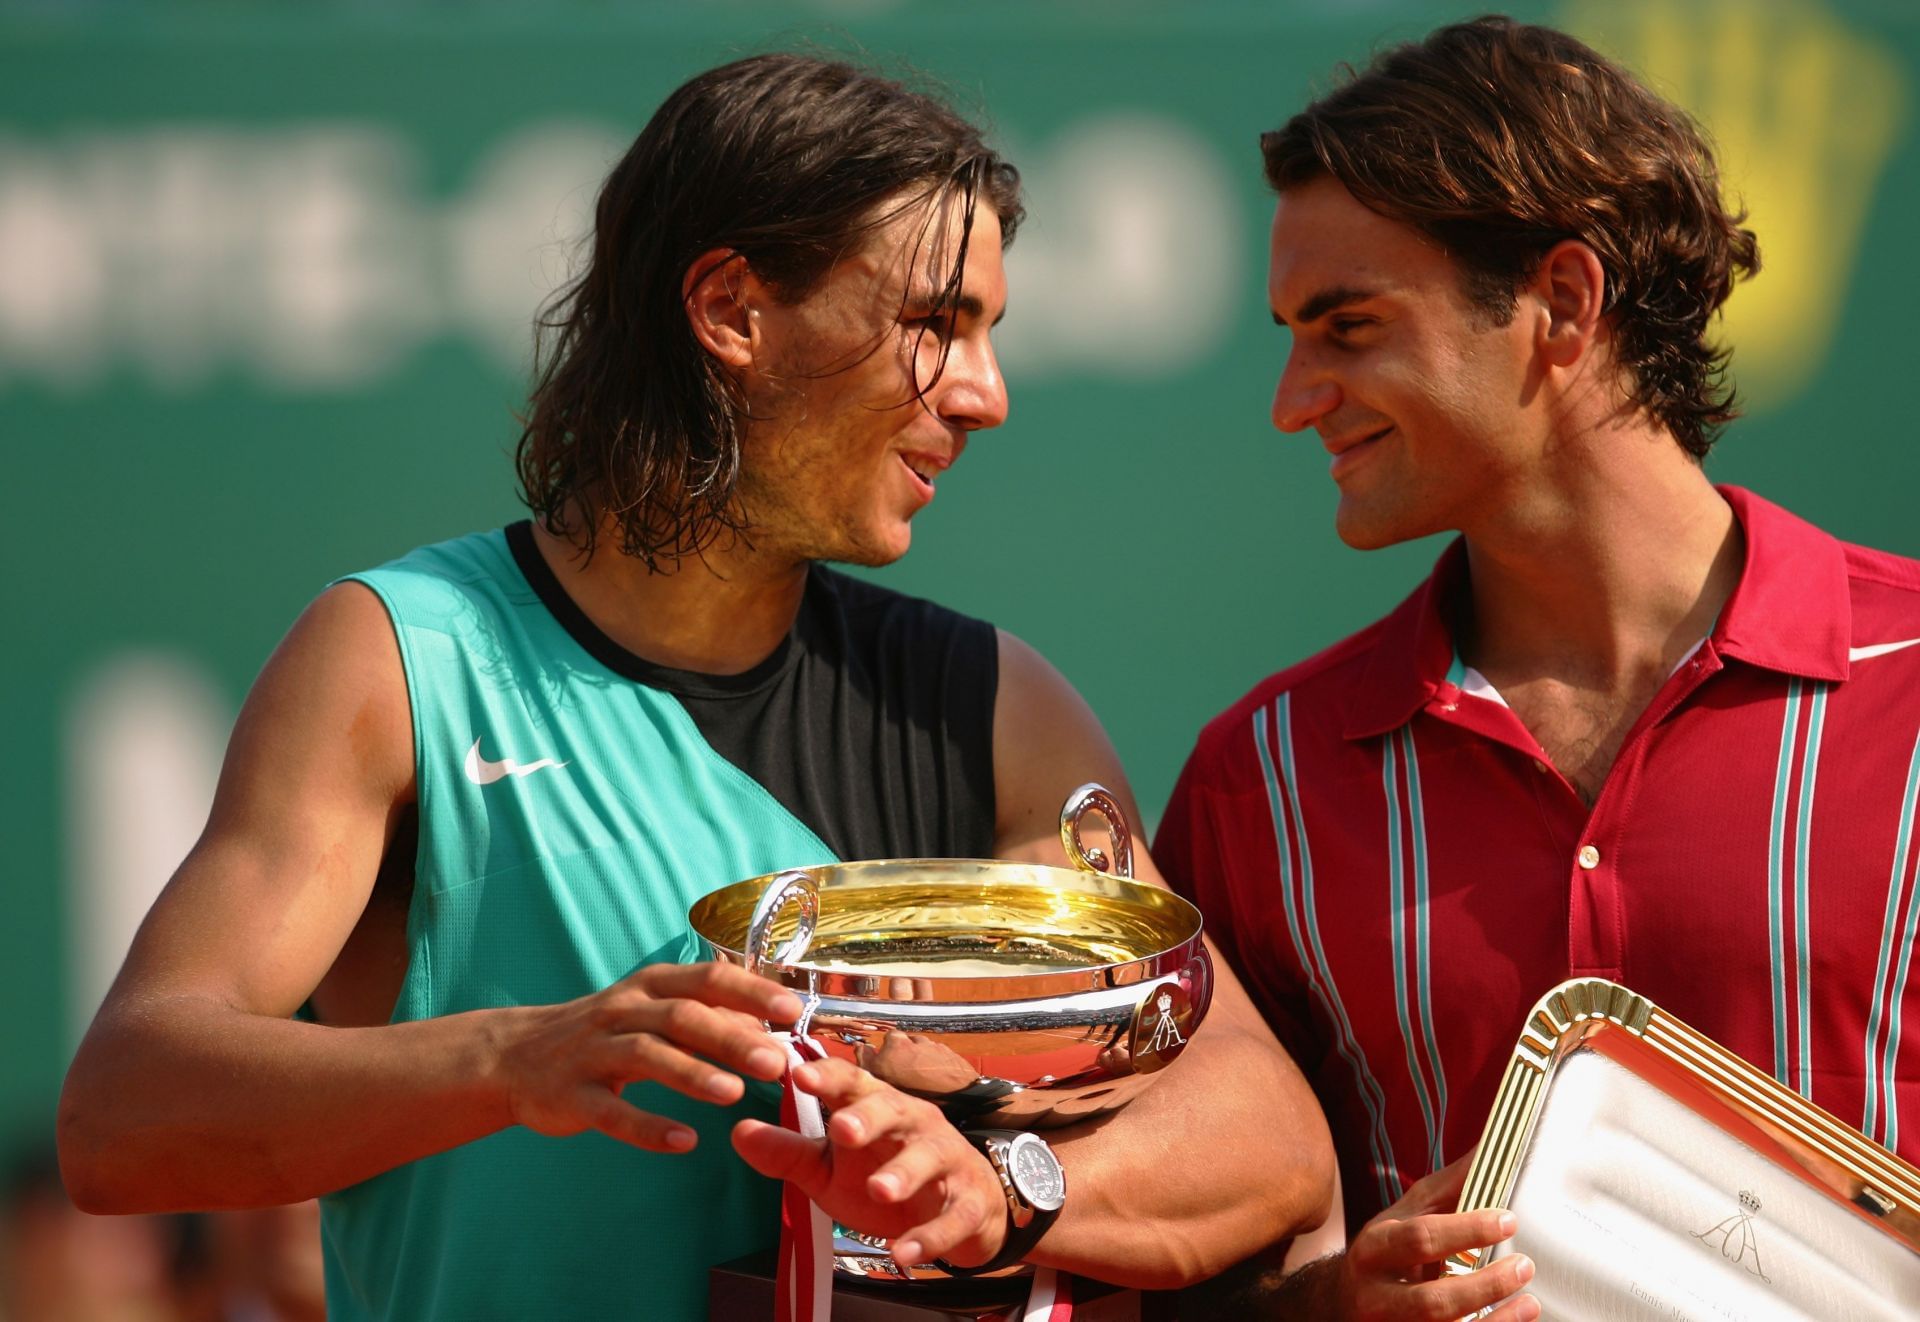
1879, 649
482, 772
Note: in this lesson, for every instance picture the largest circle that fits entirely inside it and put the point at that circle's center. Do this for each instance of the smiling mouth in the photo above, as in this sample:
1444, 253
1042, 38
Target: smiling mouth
1364, 440
1349, 455
925, 470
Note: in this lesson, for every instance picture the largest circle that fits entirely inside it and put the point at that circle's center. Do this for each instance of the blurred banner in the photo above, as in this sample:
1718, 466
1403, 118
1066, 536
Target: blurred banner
266, 280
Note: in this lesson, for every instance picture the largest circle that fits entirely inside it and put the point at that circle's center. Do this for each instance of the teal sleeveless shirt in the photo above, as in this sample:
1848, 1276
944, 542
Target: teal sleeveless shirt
568, 818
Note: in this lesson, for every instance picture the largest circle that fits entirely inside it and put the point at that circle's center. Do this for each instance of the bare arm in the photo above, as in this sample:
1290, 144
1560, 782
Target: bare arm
195, 1089
1226, 1154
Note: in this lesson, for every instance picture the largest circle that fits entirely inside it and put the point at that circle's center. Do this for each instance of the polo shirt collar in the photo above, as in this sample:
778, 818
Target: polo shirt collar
1791, 612
1412, 653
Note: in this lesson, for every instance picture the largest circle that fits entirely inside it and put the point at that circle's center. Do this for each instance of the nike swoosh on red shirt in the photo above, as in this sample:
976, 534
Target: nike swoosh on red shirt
1879, 649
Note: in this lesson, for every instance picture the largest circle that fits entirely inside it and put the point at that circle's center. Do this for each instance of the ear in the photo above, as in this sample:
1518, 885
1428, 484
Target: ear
1572, 288
719, 292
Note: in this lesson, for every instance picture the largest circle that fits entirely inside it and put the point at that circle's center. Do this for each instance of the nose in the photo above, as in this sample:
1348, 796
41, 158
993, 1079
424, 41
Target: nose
973, 394
1303, 396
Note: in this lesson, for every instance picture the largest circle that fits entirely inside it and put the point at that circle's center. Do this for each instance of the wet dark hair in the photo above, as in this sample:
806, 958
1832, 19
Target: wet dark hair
1498, 140
790, 161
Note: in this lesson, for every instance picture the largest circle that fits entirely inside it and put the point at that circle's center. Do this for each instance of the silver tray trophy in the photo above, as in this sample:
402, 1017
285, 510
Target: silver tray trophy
1013, 995
1657, 1176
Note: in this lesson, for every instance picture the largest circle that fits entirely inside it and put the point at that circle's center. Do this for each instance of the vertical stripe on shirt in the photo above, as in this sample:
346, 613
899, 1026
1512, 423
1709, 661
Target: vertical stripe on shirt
1776, 853
1880, 1074
1400, 778
1417, 812
1284, 803
1802, 902
1397, 909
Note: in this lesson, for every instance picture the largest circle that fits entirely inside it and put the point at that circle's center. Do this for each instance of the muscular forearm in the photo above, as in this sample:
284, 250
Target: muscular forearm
1222, 1157
183, 1102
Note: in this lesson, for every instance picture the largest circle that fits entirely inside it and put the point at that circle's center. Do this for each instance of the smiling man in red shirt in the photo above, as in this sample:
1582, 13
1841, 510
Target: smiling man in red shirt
1634, 726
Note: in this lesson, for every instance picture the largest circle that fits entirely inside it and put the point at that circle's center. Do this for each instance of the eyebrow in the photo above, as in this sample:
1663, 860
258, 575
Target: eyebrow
1326, 301
966, 305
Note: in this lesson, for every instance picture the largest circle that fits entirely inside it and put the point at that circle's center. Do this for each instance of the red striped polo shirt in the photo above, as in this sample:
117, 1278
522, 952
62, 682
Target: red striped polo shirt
1398, 874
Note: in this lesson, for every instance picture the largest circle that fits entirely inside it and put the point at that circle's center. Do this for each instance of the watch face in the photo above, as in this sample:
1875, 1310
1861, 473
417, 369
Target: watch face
1036, 1173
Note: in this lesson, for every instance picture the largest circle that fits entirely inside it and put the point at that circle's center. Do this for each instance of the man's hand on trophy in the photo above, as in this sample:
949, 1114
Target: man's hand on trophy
891, 1166
1395, 1267
693, 1027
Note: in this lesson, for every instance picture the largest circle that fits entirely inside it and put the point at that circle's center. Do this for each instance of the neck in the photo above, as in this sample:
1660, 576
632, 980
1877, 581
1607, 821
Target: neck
1608, 571
720, 613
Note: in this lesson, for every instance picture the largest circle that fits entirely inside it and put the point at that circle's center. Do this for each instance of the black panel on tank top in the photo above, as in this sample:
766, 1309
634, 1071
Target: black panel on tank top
872, 722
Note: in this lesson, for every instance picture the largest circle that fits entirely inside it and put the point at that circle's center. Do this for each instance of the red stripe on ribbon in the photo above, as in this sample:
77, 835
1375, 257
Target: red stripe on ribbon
803, 1284
1050, 1299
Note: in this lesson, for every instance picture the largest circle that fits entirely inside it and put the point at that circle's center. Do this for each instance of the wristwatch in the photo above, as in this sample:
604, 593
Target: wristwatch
1036, 1188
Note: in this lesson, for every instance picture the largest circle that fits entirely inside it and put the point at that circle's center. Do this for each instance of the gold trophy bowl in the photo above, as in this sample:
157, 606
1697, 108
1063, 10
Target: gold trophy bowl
1013, 995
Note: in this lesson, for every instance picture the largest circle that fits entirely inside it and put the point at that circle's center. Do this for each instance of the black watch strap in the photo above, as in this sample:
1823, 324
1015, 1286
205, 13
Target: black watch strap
1021, 1239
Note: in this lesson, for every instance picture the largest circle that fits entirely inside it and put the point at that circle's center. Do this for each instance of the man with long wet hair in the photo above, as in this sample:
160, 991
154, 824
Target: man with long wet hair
1589, 745
472, 795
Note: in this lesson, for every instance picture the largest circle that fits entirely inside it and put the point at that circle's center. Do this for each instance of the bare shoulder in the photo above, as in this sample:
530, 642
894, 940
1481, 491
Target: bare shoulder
335, 687
317, 772
327, 722
1046, 743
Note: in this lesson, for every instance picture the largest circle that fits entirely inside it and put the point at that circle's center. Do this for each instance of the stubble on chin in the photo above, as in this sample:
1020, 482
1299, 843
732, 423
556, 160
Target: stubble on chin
1356, 529
781, 528
1374, 525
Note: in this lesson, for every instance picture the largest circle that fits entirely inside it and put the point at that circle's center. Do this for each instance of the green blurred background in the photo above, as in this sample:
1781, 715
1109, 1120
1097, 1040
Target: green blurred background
266, 278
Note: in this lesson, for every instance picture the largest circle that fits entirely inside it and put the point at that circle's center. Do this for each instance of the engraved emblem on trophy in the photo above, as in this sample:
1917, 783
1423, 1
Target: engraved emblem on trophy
1738, 1241
1166, 1033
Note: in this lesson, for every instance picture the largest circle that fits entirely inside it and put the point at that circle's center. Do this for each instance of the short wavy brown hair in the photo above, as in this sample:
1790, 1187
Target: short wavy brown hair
789, 160
1498, 140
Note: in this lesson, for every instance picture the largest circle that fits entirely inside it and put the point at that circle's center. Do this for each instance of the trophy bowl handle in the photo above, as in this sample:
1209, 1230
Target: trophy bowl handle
786, 888
1096, 798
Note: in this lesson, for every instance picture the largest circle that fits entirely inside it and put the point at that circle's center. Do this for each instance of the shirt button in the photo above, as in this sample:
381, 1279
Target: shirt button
1539, 766
1589, 857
